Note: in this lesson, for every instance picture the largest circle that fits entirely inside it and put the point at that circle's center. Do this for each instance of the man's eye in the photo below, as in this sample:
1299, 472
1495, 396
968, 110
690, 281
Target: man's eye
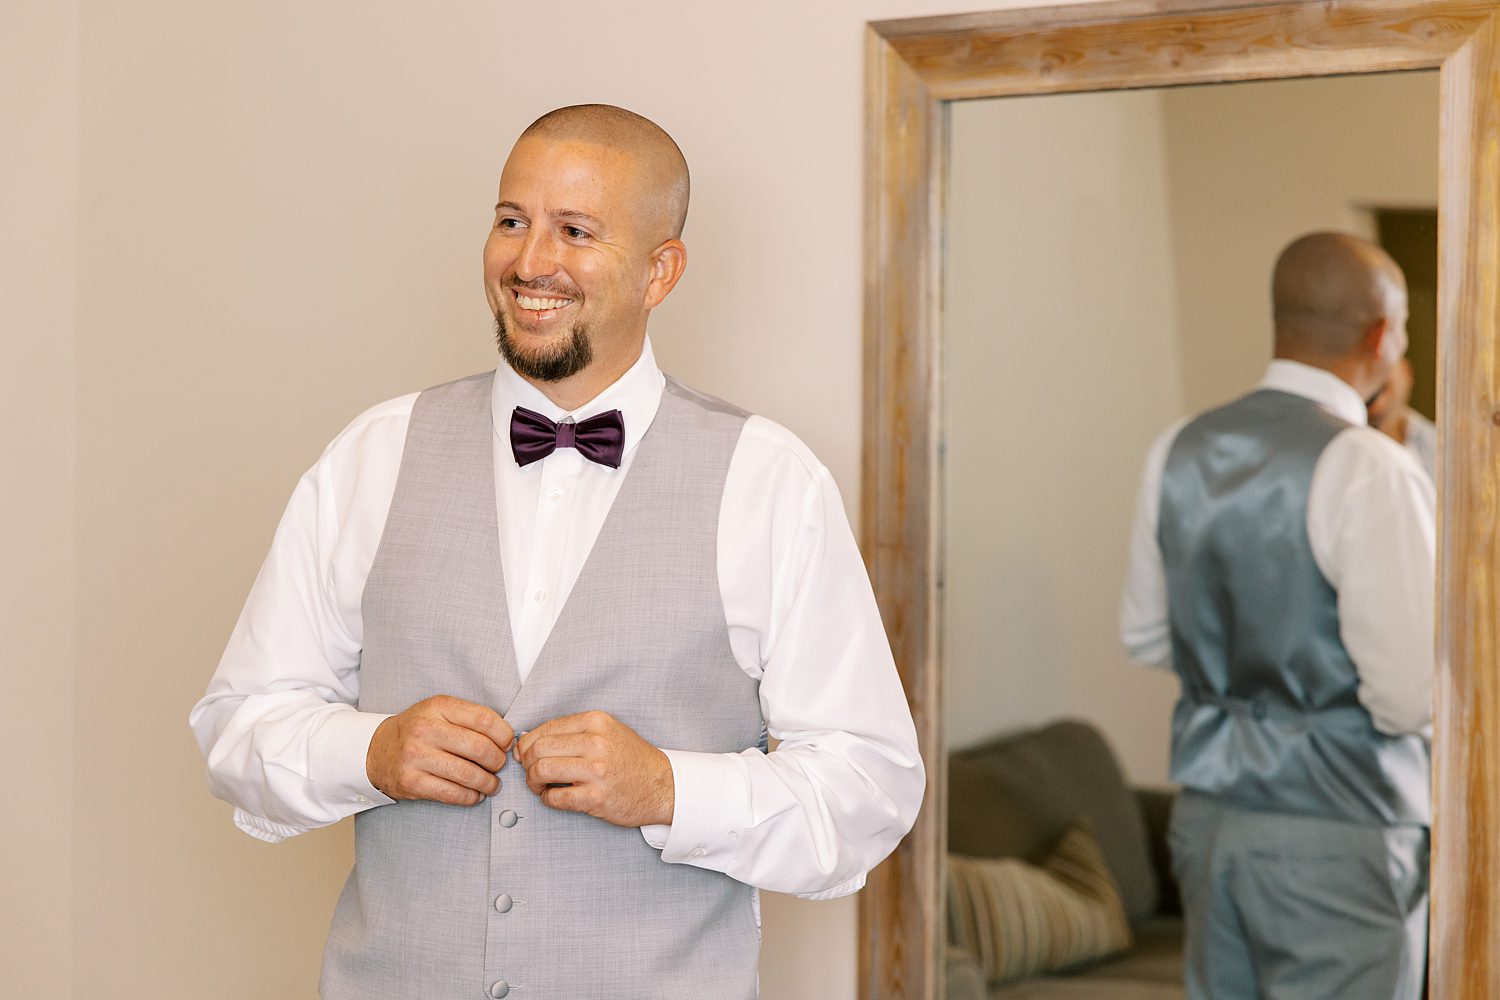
574, 233
508, 223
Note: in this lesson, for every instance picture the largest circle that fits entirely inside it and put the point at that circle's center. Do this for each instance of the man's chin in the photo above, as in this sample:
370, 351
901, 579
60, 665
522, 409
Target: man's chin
550, 355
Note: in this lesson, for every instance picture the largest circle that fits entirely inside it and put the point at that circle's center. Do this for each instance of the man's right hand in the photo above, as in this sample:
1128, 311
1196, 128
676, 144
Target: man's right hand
443, 749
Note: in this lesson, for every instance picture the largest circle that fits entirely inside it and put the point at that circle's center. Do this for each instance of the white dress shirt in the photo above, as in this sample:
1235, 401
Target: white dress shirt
287, 747
1370, 523
1422, 441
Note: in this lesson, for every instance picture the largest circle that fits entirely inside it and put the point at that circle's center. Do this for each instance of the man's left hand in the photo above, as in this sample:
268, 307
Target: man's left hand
593, 763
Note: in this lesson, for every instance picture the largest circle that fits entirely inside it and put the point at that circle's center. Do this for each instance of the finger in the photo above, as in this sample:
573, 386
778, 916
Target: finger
580, 722
563, 745
561, 771
571, 798
479, 718
435, 789
456, 771
467, 743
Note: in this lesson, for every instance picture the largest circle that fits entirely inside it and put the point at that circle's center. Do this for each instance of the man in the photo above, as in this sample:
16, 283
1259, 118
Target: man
1391, 414
1281, 562
535, 626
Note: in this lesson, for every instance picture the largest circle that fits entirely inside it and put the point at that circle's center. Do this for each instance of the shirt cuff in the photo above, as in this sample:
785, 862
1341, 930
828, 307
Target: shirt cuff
711, 805
848, 888
336, 761
264, 829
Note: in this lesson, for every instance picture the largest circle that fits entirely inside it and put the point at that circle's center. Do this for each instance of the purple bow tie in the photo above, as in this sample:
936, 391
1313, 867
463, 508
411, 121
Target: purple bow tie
599, 439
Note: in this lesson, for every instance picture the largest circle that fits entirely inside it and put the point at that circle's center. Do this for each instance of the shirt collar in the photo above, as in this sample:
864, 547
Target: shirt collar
1319, 385
636, 394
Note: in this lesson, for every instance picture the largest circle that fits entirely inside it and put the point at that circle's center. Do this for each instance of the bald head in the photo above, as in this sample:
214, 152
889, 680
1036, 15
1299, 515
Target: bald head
664, 169
1328, 290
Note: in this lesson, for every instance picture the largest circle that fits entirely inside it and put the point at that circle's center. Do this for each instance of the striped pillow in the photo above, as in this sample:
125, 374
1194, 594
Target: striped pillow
1021, 919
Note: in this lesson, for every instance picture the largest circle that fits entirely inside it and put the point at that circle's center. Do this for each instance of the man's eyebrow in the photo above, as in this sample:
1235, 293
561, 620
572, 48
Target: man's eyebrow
562, 213
576, 215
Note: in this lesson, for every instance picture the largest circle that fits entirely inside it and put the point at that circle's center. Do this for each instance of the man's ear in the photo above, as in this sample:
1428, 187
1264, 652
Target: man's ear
668, 261
1379, 341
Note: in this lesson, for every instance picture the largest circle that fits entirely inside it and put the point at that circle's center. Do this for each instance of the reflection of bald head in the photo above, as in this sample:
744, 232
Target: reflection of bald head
665, 169
1328, 289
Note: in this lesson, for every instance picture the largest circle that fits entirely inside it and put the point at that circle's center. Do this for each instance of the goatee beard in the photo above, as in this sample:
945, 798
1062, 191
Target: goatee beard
565, 361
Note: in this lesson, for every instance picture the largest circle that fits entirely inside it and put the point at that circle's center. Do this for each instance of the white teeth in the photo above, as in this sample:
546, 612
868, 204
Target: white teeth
540, 305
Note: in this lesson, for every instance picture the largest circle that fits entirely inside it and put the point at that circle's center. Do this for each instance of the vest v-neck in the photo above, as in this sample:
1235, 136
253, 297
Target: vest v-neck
624, 497
446, 901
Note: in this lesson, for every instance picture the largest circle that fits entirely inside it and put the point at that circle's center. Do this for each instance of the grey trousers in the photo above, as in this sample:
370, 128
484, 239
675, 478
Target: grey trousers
1283, 907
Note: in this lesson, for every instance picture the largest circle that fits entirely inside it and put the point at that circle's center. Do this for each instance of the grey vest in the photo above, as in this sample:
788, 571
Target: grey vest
510, 897
1269, 716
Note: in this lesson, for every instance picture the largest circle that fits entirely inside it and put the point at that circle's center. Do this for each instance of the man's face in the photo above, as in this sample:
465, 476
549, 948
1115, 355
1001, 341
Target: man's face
568, 262
1393, 398
1395, 342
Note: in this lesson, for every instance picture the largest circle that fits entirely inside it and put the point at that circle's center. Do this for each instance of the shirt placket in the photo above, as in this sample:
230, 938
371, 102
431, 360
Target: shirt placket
556, 496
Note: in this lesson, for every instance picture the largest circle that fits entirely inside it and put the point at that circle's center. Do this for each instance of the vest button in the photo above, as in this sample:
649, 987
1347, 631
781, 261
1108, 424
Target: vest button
500, 989
508, 818
503, 902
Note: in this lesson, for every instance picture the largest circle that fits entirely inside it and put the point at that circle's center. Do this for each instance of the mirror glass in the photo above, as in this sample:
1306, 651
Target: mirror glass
1106, 272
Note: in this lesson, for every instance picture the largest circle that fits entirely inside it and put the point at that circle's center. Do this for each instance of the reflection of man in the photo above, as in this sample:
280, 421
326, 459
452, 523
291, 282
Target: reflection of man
1392, 415
637, 579
1282, 563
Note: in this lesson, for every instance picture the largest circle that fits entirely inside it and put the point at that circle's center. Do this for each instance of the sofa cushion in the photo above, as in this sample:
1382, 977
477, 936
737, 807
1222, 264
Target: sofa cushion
964, 978
1086, 988
1156, 956
1015, 796
1019, 919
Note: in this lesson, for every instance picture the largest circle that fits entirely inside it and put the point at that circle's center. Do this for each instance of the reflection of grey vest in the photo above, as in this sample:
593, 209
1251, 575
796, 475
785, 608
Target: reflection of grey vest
1269, 716
510, 897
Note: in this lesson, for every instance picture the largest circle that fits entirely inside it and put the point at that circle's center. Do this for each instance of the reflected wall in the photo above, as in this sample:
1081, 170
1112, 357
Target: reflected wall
1107, 270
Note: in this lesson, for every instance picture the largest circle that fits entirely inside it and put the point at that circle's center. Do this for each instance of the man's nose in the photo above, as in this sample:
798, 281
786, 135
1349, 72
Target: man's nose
536, 258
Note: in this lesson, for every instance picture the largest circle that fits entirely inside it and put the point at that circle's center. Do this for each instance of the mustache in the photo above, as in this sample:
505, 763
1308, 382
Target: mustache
543, 286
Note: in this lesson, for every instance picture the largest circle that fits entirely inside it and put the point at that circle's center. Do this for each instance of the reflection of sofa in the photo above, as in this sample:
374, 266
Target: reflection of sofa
1016, 797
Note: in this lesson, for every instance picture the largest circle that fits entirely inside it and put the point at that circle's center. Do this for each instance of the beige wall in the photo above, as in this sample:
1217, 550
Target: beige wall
38, 253
279, 209
1061, 366
1109, 260
227, 230
1253, 166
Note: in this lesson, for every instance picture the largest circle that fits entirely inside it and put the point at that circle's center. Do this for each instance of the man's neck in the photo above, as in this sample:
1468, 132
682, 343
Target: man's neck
1348, 370
579, 390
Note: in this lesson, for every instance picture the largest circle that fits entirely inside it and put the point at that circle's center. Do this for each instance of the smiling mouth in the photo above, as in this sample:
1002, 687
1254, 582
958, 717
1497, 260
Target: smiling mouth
540, 304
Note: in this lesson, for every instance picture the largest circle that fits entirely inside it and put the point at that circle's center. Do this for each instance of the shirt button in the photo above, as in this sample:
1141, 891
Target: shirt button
555, 495
509, 818
500, 990
541, 595
698, 852
503, 902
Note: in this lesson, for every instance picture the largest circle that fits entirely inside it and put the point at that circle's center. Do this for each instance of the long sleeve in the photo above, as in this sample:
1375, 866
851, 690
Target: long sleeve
845, 782
278, 725
1143, 601
1371, 523
287, 747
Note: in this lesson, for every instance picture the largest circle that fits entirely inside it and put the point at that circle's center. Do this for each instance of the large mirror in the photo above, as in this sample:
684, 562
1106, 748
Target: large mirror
1029, 300
1105, 272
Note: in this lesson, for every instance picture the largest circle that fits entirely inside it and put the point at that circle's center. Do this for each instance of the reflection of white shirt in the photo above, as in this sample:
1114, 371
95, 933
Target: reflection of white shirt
1421, 441
1371, 525
286, 746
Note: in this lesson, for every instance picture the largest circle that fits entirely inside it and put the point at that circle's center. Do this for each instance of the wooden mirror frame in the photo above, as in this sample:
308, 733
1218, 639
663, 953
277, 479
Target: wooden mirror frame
913, 69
